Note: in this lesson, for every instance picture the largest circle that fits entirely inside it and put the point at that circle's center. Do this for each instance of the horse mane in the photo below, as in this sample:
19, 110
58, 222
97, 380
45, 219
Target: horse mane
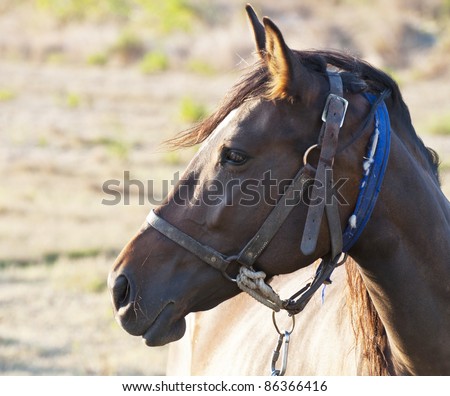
369, 331
358, 76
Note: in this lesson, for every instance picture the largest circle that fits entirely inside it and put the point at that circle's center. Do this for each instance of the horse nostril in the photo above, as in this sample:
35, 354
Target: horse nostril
121, 292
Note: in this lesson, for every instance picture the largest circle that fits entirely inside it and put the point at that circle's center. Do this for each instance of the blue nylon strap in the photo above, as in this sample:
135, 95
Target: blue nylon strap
373, 178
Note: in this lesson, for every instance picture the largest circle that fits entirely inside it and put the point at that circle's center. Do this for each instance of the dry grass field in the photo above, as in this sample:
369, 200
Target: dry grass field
88, 90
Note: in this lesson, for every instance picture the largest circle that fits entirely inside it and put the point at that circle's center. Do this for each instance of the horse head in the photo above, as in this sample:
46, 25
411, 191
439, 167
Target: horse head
252, 149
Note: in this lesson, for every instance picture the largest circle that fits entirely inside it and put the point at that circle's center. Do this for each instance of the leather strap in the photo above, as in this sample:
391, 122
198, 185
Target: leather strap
333, 116
303, 296
277, 217
334, 225
203, 252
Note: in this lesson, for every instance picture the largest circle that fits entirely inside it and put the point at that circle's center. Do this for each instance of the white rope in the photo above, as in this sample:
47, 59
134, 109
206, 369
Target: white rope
252, 282
369, 161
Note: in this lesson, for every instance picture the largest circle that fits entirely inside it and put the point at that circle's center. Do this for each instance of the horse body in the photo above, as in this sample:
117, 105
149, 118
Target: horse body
399, 318
238, 337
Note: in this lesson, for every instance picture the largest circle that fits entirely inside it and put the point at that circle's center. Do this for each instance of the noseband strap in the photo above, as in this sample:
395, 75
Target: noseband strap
203, 252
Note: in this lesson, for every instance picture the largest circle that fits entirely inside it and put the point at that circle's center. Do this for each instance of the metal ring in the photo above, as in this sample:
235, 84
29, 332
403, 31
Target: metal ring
276, 326
226, 276
342, 260
229, 259
305, 156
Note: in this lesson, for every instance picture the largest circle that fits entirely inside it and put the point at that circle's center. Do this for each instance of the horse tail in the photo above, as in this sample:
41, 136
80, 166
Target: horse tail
369, 331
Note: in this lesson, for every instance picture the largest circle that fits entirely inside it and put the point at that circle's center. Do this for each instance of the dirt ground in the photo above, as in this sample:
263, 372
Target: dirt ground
70, 121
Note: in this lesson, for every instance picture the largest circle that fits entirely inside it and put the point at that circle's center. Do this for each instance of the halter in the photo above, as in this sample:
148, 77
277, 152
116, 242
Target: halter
253, 282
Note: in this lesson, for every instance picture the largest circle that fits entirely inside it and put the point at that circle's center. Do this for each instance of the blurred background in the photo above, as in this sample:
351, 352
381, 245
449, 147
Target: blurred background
90, 88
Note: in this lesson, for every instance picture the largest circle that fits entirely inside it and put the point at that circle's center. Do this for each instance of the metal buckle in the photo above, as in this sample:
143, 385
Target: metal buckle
327, 105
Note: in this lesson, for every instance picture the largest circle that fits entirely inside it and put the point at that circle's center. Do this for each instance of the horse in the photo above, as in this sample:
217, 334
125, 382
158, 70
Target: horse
311, 155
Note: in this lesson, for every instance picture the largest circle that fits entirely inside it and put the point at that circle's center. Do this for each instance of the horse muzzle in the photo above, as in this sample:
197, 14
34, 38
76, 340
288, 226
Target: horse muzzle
156, 323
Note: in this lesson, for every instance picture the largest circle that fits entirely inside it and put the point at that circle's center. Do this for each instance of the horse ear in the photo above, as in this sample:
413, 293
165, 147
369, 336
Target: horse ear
288, 75
258, 31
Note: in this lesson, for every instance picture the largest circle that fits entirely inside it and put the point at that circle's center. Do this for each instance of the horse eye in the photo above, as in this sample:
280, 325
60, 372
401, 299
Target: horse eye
234, 157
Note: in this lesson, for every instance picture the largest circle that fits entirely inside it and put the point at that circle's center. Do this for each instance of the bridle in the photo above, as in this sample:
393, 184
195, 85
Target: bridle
307, 177
320, 180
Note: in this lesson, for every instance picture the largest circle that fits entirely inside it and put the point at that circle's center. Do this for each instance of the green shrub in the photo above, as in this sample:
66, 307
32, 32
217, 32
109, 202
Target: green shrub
98, 59
67, 10
154, 62
169, 15
128, 46
6, 95
73, 100
83, 253
164, 15
201, 67
192, 111
116, 147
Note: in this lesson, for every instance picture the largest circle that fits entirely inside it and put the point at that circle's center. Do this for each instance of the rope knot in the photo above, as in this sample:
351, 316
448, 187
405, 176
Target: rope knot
252, 282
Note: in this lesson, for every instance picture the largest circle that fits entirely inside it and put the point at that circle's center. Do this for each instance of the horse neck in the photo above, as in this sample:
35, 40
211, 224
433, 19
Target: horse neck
403, 256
